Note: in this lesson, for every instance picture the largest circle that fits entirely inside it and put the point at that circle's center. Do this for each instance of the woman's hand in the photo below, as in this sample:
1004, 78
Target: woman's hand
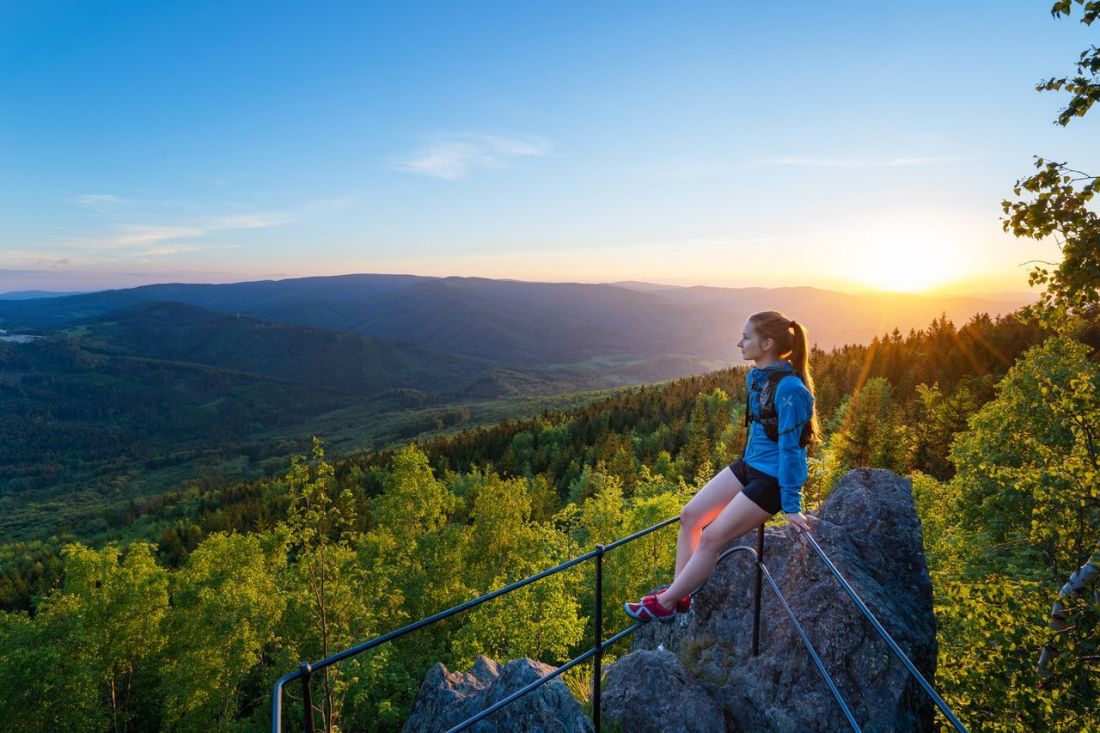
798, 521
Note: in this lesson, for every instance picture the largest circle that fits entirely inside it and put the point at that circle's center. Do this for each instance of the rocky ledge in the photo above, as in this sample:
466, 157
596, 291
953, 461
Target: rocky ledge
869, 528
448, 698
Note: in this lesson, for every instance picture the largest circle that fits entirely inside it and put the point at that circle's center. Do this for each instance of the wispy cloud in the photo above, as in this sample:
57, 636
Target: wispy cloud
261, 220
171, 249
140, 229
99, 199
139, 234
454, 156
36, 258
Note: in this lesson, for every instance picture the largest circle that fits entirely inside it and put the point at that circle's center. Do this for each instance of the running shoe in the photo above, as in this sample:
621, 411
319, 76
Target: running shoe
682, 606
649, 609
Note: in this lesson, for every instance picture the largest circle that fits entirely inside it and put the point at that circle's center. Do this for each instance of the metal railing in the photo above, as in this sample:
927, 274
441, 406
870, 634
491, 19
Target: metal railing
306, 670
886, 636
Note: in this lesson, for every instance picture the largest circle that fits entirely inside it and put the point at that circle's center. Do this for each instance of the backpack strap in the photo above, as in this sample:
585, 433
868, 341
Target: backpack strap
768, 416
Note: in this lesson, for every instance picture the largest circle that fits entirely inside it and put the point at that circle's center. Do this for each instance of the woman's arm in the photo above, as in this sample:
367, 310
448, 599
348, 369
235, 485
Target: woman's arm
794, 406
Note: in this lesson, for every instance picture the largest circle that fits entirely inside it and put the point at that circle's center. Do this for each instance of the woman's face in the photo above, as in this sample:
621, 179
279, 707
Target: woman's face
753, 346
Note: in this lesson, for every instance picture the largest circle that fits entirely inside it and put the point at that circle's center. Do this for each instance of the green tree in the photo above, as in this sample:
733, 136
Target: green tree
505, 545
1029, 459
1055, 201
108, 619
226, 611
987, 658
1028, 484
327, 610
936, 420
47, 686
410, 564
867, 431
409, 520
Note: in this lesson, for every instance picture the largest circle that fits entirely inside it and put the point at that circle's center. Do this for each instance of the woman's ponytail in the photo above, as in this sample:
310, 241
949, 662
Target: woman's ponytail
800, 360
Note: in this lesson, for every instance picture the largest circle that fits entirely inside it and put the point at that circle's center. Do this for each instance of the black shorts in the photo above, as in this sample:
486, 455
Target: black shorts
759, 486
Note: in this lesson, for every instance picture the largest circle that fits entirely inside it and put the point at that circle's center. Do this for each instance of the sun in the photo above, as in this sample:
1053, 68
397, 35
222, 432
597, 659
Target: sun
897, 268
902, 257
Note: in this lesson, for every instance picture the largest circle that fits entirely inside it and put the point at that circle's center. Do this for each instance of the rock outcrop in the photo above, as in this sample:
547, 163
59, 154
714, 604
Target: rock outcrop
448, 698
870, 530
678, 699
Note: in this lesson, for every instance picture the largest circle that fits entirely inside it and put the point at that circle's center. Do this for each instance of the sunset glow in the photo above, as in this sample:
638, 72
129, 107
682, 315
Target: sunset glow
900, 271
908, 252
649, 151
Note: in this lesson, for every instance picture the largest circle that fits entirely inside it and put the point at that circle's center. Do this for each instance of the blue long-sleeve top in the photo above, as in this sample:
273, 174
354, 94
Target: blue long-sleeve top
782, 458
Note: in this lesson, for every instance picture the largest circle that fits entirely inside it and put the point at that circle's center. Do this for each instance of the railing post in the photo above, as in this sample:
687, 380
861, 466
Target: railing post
307, 696
756, 599
597, 658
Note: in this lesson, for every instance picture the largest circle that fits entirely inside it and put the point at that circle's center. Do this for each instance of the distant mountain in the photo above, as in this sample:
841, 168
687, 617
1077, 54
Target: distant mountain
258, 299
834, 318
631, 328
357, 365
642, 287
32, 294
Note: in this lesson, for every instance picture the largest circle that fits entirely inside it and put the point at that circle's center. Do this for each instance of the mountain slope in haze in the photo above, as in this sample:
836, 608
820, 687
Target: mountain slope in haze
341, 361
538, 323
136, 401
834, 318
259, 299
626, 331
32, 294
510, 322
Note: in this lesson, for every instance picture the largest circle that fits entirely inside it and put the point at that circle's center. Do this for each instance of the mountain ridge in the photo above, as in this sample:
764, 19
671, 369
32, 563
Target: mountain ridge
529, 323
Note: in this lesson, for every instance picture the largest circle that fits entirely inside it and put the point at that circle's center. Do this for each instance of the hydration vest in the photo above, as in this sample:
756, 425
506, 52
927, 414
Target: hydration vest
768, 417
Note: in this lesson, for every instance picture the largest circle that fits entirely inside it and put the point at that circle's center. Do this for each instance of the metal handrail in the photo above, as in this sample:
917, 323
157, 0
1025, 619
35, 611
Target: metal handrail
886, 636
305, 671
801, 632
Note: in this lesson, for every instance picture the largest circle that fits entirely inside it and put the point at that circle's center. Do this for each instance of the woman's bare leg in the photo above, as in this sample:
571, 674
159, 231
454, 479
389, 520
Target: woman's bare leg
739, 516
701, 511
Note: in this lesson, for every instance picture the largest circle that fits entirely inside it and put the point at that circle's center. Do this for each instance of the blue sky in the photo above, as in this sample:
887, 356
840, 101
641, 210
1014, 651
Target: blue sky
849, 145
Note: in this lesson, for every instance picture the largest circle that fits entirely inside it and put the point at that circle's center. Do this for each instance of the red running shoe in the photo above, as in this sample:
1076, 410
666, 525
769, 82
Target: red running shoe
682, 606
649, 609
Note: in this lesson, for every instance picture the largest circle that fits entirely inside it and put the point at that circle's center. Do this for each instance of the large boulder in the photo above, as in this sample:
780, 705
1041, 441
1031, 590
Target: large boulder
869, 528
448, 698
678, 696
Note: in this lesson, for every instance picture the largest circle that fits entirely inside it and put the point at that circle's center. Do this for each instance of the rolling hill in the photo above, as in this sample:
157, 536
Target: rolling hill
625, 330
136, 401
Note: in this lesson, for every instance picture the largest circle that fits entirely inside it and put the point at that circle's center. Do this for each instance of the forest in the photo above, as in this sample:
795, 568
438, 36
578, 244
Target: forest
233, 586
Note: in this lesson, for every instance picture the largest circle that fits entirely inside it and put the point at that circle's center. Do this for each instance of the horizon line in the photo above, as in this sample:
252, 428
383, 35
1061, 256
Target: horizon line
939, 291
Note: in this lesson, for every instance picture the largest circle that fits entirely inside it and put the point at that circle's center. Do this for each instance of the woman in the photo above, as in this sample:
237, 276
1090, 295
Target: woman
766, 479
